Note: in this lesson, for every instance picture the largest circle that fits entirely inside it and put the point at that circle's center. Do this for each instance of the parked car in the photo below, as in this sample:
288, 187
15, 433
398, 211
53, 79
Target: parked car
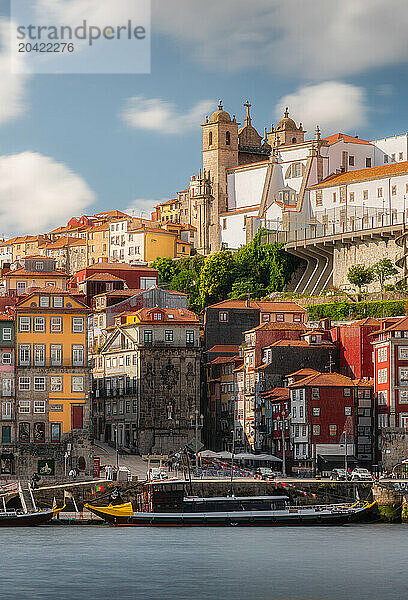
338, 475
360, 474
266, 473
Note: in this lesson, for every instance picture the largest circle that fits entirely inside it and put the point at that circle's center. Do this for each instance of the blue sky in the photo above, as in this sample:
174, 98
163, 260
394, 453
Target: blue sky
61, 129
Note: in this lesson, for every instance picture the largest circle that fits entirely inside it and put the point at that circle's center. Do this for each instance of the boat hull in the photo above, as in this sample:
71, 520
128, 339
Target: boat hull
300, 517
26, 519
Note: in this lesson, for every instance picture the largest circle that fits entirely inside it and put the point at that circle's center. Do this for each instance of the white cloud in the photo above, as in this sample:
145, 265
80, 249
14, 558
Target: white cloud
333, 105
12, 88
142, 207
159, 115
319, 39
38, 194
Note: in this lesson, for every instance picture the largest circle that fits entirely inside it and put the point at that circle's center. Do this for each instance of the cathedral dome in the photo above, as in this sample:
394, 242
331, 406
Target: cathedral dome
286, 123
220, 115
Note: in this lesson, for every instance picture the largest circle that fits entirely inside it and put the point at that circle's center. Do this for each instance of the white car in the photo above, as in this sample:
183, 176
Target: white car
360, 474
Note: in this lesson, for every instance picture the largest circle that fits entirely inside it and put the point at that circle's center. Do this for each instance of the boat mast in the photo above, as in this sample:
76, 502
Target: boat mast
22, 499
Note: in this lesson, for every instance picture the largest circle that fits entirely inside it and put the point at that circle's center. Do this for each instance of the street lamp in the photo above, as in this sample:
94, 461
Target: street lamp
284, 419
194, 417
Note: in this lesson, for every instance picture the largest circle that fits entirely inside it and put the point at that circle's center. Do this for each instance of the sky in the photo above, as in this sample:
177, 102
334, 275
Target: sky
81, 144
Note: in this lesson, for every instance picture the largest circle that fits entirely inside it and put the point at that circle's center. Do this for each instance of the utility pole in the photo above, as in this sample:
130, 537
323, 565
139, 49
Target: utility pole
232, 460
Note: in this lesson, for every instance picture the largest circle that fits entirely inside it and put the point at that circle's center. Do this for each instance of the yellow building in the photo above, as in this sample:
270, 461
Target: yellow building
36, 272
169, 211
28, 245
52, 385
97, 244
147, 244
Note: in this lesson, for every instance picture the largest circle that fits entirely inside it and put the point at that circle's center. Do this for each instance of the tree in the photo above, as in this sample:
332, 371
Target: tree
167, 268
359, 275
216, 277
383, 270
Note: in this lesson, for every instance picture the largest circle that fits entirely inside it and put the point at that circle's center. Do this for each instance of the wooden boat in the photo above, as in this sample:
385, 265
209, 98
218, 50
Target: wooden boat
162, 505
24, 517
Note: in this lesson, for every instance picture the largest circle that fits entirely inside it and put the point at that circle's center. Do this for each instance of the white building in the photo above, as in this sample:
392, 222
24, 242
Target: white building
6, 253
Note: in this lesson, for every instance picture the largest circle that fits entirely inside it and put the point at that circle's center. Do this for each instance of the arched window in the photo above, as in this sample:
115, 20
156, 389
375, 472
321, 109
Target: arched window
228, 138
210, 138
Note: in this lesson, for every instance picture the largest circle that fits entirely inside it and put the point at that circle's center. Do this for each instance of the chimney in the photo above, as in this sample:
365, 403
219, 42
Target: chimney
248, 302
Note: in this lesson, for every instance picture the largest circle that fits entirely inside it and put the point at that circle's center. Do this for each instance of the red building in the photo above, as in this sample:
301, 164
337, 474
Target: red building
135, 277
390, 345
277, 424
322, 409
355, 349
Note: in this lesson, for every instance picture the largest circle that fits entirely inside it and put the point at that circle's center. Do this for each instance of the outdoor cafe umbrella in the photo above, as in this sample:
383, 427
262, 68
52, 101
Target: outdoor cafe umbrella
268, 458
208, 454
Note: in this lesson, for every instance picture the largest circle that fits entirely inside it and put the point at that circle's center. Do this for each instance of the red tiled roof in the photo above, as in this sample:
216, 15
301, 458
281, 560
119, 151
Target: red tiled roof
219, 349
240, 210
337, 137
103, 277
305, 372
278, 393
268, 326
225, 359
118, 267
401, 325
65, 241
364, 382
179, 315
300, 343
5, 317
323, 380
24, 273
380, 172
263, 305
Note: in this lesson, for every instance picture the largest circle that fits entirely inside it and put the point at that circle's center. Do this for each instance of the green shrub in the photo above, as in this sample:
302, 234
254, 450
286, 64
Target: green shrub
341, 311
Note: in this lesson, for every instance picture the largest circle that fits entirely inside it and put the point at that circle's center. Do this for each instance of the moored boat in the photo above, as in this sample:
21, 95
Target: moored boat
164, 505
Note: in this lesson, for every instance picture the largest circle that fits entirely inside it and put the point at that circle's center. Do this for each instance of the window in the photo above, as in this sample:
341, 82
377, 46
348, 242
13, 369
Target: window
24, 324
128, 360
21, 287
382, 421
24, 406
190, 337
210, 138
148, 336
24, 432
24, 354
351, 196
39, 355
393, 157
6, 409
39, 324
39, 384
315, 393
401, 156
56, 324
346, 392
368, 162
316, 411
77, 324
332, 430
223, 317
403, 375
56, 355
334, 197
58, 301
319, 200
77, 417
385, 159
280, 317
228, 138
56, 384
7, 387
55, 432
342, 194
403, 352
39, 406
347, 411
78, 355
393, 190
297, 318
6, 358
168, 335
379, 192
39, 432
77, 383
6, 434
224, 223
44, 301
316, 429
7, 334
351, 160
365, 194
382, 375
382, 354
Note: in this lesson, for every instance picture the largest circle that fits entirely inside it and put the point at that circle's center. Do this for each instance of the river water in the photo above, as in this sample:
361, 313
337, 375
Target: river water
356, 562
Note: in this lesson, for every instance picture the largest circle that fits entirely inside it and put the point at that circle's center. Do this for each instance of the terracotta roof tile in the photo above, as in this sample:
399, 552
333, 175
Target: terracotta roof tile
179, 315
219, 349
225, 359
380, 172
324, 380
24, 273
278, 327
337, 137
103, 277
263, 305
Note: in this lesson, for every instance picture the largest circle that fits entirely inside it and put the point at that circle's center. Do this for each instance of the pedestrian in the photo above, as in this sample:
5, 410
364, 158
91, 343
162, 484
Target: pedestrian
34, 481
109, 473
72, 474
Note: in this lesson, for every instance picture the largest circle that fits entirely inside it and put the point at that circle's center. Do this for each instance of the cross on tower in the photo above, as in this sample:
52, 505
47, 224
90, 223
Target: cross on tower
247, 105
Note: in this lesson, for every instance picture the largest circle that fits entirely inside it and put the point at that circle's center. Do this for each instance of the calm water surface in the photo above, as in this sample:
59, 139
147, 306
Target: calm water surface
367, 562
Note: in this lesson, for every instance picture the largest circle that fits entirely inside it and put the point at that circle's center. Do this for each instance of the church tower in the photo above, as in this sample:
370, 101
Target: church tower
220, 151
286, 132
